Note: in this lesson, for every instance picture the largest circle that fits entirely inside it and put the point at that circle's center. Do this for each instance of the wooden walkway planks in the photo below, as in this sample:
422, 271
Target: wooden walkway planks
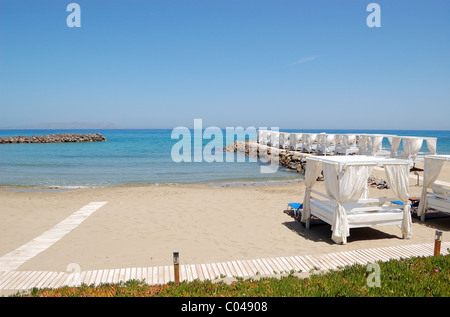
25, 280
12, 260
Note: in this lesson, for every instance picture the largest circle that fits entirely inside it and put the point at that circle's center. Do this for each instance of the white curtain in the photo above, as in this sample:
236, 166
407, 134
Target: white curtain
265, 137
395, 143
312, 171
275, 139
431, 170
343, 188
309, 139
351, 139
329, 139
412, 146
295, 140
284, 140
375, 143
298, 139
431, 144
398, 179
362, 142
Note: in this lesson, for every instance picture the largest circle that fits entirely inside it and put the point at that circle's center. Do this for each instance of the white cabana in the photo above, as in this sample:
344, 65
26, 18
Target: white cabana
345, 178
362, 143
309, 142
372, 144
284, 140
274, 139
263, 136
346, 144
326, 143
412, 146
440, 197
395, 143
296, 141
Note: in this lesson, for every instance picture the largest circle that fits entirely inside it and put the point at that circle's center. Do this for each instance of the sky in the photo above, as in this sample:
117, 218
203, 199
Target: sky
252, 63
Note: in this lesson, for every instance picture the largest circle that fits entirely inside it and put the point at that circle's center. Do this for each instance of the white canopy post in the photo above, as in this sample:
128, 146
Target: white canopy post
312, 171
398, 179
342, 186
431, 169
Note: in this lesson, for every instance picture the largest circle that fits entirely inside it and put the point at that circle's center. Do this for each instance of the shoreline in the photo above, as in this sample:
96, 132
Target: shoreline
213, 183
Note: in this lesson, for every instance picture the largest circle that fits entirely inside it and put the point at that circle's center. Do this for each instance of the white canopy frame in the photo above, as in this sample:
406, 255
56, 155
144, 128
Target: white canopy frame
344, 177
412, 146
440, 198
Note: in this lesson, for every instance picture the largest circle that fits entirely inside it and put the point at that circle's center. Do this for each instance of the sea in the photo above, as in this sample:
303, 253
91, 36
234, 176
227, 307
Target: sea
145, 156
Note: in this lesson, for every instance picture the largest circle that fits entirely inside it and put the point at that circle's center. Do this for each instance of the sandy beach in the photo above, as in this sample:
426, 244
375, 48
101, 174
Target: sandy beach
142, 225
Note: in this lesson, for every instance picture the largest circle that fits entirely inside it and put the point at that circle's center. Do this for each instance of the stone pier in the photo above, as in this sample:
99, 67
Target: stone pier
292, 160
55, 138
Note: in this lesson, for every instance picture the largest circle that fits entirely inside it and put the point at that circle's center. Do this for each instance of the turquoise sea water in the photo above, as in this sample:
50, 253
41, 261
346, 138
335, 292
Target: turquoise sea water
140, 157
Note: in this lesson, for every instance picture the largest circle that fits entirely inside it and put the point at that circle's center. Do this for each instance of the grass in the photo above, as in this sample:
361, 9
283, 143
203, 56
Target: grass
411, 277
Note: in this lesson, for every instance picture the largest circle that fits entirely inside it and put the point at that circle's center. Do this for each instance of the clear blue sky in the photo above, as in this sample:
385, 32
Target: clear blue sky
276, 63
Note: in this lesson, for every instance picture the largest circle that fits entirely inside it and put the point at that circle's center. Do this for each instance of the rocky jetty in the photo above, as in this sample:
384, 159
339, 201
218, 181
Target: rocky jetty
55, 138
292, 160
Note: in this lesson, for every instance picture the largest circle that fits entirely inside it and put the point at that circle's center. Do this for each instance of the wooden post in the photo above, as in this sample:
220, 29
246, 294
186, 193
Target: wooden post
176, 266
437, 243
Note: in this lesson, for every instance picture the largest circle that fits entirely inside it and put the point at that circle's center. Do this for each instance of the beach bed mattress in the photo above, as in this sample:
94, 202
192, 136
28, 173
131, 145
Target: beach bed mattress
378, 215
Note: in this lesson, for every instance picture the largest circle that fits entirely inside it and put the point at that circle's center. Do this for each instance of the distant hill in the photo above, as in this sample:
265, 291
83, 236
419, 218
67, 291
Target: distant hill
68, 125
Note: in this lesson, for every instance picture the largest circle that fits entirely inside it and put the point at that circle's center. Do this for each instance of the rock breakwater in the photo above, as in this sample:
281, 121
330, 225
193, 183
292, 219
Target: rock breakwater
55, 138
291, 160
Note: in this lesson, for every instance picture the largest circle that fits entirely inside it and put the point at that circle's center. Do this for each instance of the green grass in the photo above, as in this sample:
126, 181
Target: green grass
411, 277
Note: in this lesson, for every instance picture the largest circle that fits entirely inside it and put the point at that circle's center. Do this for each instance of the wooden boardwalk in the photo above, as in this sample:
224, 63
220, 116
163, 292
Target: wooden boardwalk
17, 257
13, 281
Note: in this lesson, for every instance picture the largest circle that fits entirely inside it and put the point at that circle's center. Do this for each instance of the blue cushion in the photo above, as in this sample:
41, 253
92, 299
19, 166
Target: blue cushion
401, 203
295, 205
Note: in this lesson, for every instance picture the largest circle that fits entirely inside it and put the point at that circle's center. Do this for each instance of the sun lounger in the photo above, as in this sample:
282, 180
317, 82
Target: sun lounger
439, 196
294, 210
